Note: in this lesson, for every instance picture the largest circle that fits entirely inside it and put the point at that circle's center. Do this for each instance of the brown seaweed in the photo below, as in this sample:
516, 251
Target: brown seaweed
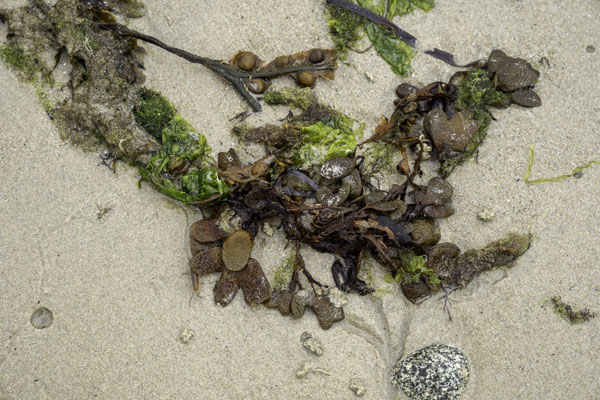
245, 67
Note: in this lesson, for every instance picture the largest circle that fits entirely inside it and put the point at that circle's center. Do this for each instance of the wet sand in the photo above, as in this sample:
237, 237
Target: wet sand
118, 285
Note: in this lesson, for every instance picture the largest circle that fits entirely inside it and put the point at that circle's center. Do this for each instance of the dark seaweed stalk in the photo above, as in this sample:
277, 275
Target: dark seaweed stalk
235, 76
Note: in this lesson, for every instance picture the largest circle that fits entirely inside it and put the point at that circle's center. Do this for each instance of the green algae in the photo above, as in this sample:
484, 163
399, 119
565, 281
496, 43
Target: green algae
414, 268
343, 26
283, 273
555, 178
345, 33
476, 92
14, 55
568, 312
315, 136
322, 142
301, 98
181, 146
153, 112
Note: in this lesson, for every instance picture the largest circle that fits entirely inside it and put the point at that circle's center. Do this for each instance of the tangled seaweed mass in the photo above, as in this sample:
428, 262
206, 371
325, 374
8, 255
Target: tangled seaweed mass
327, 201
316, 180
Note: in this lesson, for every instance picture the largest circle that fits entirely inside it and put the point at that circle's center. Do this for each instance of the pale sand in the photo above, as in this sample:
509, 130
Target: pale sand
118, 287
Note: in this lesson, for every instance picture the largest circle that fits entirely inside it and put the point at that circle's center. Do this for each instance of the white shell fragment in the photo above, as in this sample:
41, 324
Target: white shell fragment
486, 215
357, 387
307, 367
187, 335
313, 346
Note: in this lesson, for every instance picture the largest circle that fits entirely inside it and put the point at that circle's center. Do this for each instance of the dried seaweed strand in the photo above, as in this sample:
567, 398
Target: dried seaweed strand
236, 77
556, 178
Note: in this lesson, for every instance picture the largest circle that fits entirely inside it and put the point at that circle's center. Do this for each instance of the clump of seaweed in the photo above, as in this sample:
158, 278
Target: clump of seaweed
329, 207
315, 135
104, 72
182, 167
391, 43
451, 119
568, 313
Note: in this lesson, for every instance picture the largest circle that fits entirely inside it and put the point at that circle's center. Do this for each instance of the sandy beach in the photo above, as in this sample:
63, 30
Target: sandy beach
119, 288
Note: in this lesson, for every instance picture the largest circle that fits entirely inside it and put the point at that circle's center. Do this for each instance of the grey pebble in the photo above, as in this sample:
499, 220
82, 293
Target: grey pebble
435, 372
42, 318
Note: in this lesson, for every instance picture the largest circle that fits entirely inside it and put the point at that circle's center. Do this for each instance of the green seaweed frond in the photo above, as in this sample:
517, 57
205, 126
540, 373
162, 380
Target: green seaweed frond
415, 268
344, 30
324, 141
476, 92
180, 144
343, 26
153, 112
555, 178
301, 98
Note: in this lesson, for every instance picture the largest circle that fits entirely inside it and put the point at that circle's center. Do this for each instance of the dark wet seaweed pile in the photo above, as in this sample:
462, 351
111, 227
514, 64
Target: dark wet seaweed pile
327, 199
334, 208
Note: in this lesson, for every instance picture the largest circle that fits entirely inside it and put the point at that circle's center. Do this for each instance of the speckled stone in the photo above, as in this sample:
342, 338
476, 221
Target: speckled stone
435, 372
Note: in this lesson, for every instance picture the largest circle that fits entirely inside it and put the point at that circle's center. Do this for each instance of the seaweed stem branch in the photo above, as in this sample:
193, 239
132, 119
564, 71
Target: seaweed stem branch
236, 77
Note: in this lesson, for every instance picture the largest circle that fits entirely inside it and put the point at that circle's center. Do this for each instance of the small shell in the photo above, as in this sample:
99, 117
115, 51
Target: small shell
338, 168
313, 346
187, 335
357, 387
237, 249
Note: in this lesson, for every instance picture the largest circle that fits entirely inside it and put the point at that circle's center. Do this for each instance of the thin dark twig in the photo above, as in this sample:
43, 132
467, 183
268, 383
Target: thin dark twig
236, 77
